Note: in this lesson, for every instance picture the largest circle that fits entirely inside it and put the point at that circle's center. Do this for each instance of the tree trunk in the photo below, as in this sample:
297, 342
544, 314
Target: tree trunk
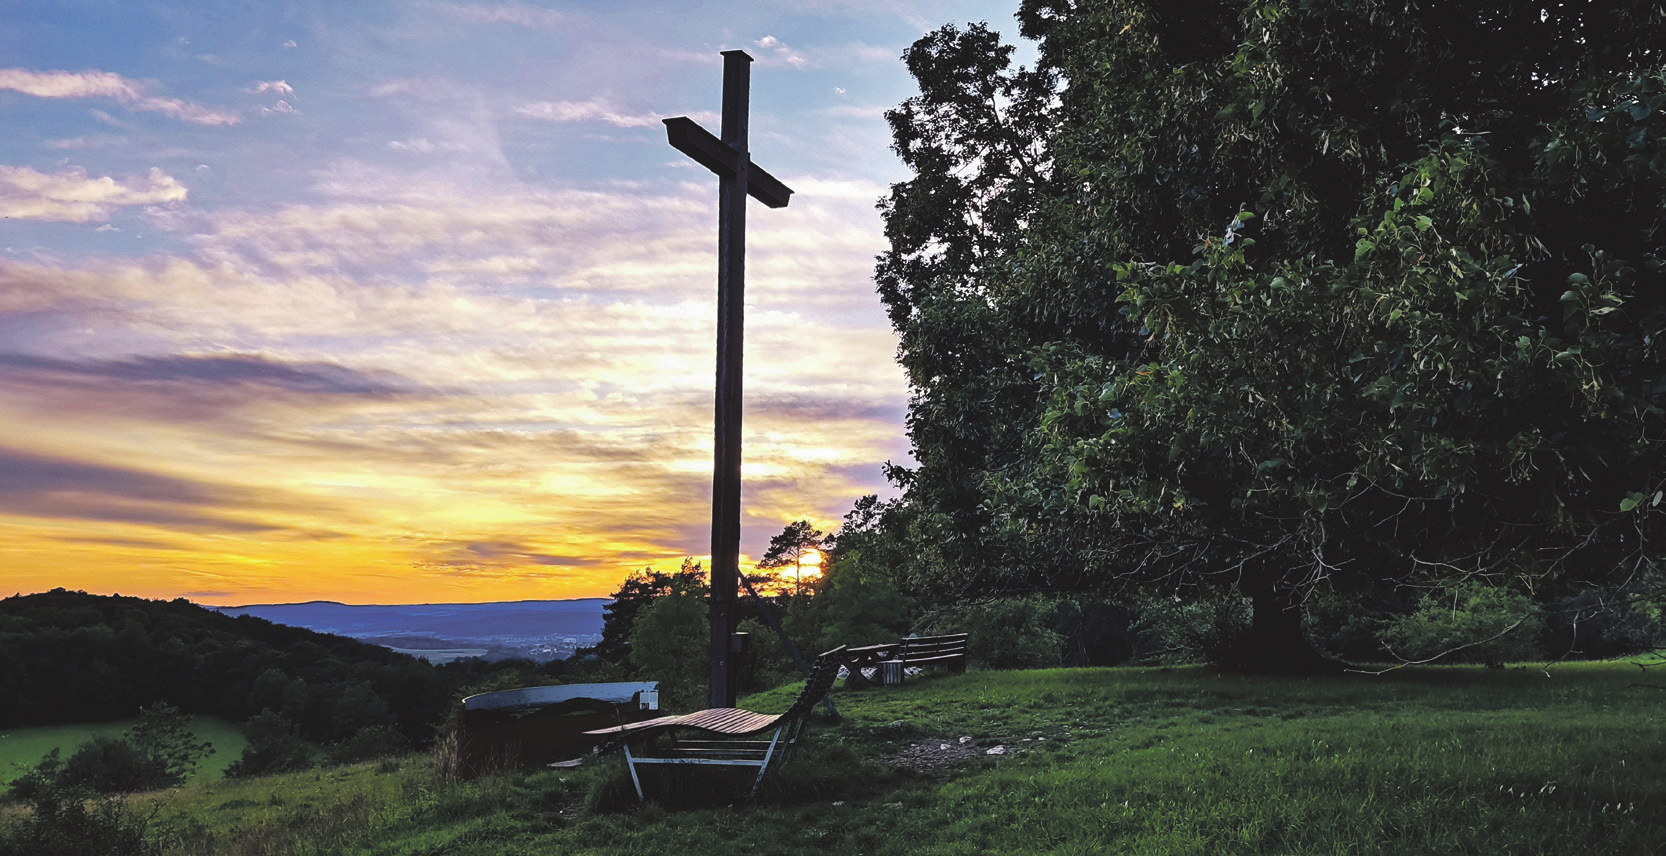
1276, 644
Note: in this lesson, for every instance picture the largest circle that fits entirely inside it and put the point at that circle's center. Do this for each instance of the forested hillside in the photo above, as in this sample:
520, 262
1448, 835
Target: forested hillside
74, 657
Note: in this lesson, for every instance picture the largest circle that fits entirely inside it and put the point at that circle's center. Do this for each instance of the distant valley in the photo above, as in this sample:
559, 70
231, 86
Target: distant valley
537, 630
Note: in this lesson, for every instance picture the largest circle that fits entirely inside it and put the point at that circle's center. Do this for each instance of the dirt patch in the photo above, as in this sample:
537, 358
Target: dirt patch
934, 755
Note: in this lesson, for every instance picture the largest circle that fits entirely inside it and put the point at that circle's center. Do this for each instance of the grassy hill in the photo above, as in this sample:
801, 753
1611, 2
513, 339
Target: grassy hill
1429, 760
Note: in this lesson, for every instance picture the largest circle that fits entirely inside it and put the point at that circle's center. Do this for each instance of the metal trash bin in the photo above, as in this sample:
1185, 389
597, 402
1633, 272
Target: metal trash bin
890, 672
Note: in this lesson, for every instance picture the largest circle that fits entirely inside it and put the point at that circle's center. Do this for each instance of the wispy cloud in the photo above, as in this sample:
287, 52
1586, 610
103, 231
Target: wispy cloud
107, 85
74, 197
587, 111
42, 486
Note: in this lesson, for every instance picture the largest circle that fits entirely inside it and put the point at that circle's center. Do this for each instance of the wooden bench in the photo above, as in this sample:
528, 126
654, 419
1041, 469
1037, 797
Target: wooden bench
719, 730
948, 651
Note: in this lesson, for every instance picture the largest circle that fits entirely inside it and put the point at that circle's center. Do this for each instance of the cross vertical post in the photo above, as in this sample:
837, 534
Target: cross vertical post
738, 178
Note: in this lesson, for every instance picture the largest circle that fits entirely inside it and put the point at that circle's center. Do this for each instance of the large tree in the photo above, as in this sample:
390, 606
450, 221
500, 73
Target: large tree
1285, 294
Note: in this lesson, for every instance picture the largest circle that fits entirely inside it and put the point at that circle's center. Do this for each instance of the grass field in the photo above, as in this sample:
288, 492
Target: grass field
22, 748
1140, 761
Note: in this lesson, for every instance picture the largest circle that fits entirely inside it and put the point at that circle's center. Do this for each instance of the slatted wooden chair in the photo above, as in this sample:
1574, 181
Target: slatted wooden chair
719, 731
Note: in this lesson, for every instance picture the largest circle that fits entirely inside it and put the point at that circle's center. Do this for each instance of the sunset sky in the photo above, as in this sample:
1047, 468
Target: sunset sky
392, 302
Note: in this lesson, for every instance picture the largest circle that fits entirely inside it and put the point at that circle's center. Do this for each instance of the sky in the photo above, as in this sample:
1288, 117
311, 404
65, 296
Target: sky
402, 302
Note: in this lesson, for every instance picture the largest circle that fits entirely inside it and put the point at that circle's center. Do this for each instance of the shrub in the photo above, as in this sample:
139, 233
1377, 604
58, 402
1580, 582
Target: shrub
1602, 623
1204, 629
1094, 631
1012, 633
72, 821
1470, 623
112, 765
274, 747
369, 744
1349, 626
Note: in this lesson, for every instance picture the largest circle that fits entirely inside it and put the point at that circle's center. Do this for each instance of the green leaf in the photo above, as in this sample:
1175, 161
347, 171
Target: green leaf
1423, 223
1631, 501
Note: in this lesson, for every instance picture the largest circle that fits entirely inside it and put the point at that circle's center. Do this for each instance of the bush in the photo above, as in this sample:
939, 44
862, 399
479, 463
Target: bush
369, 744
112, 765
861, 605
1094, 631
72, 821
1601, 623
1349, 627
1204, 629
1013, 633
275, 746
1471, 623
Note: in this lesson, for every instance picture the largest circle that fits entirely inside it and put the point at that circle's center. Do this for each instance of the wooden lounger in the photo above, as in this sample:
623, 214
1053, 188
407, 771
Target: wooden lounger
718, 731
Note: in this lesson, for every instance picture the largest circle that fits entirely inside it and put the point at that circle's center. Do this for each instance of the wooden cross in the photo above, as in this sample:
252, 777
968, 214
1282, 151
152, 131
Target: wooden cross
738, 178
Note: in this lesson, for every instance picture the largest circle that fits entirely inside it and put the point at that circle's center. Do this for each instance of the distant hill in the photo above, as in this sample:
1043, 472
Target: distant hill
538, 630
68, 657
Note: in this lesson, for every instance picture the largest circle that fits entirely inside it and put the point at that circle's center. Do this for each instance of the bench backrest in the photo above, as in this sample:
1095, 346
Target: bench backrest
933, 646
822, 675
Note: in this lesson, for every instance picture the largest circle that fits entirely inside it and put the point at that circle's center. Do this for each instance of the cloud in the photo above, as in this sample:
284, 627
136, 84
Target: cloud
104, 84
73, 197
278, 86
587, 111
241, 394
777, 51
40, 486
518, 376
255, 370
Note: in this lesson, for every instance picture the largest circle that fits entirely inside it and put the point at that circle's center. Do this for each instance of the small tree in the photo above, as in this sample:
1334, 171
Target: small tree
668, 643
860, 603
638, 590
164, 737
796, 543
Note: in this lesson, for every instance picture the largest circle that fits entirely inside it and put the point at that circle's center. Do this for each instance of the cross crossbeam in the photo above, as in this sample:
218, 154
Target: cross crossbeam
712, 153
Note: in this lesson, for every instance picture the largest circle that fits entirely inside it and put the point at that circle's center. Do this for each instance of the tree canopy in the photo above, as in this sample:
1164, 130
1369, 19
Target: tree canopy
1284, 294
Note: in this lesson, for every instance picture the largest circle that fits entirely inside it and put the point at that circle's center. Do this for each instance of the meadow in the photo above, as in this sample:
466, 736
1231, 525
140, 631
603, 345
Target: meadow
23, 748
1565, 760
